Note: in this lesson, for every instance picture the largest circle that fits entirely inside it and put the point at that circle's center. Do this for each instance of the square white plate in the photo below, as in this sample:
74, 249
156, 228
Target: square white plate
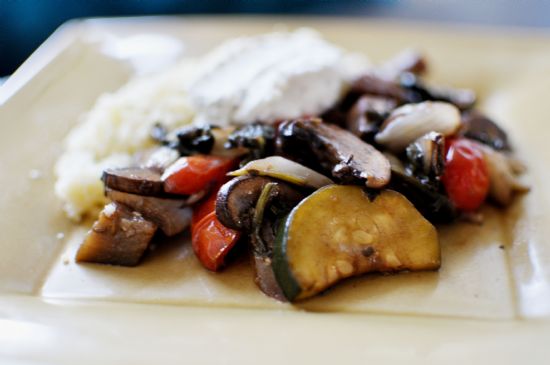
490, 301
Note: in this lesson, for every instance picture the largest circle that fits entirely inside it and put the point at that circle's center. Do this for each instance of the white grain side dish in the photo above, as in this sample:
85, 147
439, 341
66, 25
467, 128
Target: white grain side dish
117, 126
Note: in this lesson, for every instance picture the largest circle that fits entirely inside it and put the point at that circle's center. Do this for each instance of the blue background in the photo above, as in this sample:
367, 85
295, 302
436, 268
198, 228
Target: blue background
25, 24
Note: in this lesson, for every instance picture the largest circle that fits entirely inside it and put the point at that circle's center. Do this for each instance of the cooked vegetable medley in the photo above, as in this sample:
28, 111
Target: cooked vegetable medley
319, 198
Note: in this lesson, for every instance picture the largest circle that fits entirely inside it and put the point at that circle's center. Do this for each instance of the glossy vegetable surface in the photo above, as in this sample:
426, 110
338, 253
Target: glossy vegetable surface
286, 170
192, 174
338, 232
212, 241
118, 237
466, 177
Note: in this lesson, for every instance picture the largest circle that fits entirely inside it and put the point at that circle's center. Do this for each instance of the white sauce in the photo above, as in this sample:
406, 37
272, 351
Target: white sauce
269, 77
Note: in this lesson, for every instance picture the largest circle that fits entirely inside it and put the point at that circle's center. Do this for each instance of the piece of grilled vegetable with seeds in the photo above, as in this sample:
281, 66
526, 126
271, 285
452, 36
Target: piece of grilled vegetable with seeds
339, 232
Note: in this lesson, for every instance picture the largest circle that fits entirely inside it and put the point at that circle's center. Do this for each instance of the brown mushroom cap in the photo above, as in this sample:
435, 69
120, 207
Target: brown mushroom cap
237, 199
337, 151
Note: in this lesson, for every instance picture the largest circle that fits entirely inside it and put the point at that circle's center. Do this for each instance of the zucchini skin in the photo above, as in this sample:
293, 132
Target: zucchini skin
283, 273
362, 234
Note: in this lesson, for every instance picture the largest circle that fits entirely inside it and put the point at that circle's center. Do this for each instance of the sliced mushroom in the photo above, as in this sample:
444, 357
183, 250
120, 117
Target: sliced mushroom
427, 156
135, 180
503, 180
409, 122
236, 202
171, 215
120, 236
479, 127
256, 205
367, 114
286, 170
372, 85
265, 277
335, 150
266, 223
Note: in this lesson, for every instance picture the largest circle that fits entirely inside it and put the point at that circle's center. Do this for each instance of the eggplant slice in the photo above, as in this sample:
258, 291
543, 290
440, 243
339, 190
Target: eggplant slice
134, 180
120, 236
336, 151
171, 215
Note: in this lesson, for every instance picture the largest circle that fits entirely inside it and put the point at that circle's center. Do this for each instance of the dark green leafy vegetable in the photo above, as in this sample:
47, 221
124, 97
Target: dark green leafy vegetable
188, 140
258, 138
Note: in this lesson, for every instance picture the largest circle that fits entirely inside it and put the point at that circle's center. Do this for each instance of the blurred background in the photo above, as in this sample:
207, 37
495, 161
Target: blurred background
25, 24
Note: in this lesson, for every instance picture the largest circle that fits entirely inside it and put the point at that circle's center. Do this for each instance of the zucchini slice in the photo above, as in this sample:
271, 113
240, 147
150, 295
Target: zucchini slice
338, 232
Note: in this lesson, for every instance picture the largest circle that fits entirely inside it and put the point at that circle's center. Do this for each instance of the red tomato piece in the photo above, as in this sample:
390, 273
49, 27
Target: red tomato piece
466, 178
192, 174
212, 241
204, 208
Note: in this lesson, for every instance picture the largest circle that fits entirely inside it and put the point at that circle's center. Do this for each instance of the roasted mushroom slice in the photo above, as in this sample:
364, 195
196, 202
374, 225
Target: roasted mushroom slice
120, 236
336, 151
367, 114
256, 205
236, 202
171, 215
262, 237
372, 85
135, 180
479, 127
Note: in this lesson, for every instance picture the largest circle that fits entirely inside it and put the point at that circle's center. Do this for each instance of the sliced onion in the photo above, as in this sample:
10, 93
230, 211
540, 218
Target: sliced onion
284, 169
411, 121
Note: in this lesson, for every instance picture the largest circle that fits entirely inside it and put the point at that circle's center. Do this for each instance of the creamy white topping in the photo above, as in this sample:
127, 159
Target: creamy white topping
271, 76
